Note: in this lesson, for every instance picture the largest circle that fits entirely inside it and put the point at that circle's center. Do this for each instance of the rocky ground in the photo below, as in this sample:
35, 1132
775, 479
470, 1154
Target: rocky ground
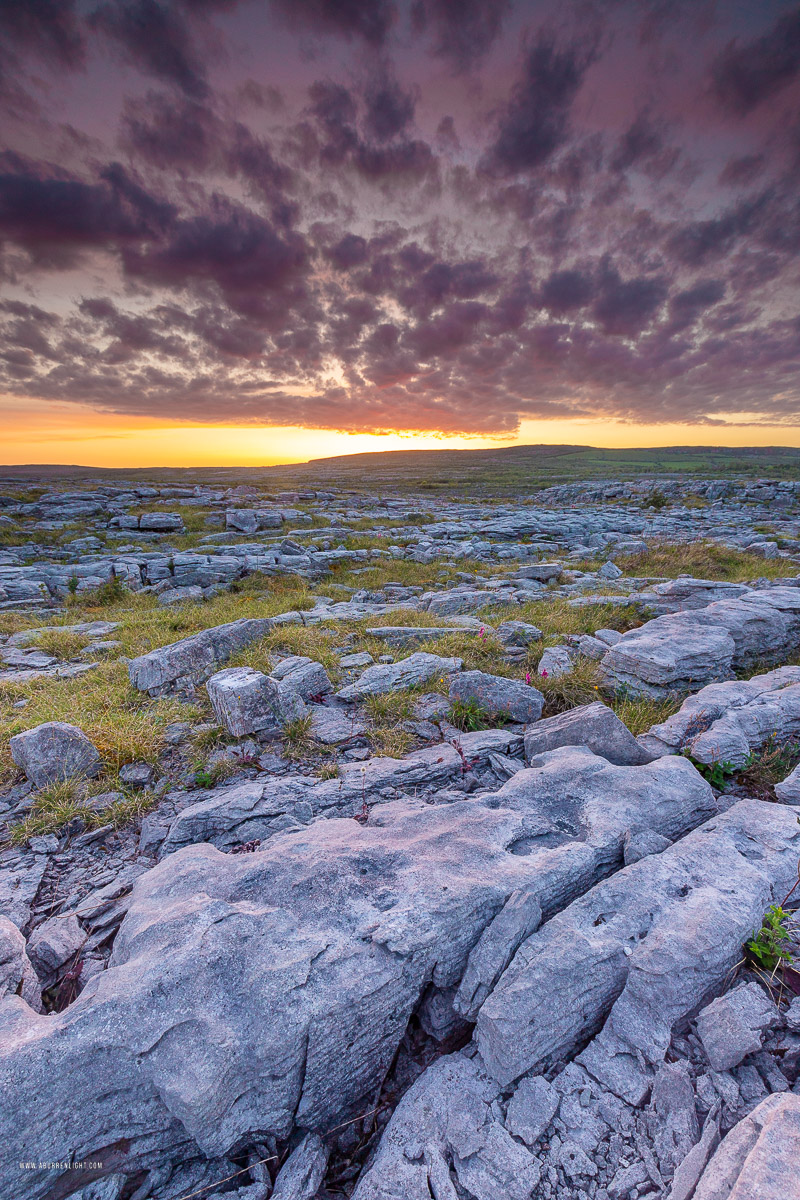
379, 847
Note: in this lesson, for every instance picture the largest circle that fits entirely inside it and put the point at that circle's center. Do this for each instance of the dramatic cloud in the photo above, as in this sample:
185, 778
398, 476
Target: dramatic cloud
745, 75
536, 120
427, 215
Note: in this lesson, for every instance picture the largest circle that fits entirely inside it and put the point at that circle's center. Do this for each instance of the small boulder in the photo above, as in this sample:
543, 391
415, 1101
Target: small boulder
498, 696
542, 571
17, 976
246, 701
731, 1026
181, 595
394, 676
53, 945
592, 725
609, 570
307, 677
53, 752
518, 633
137, 774
555, 661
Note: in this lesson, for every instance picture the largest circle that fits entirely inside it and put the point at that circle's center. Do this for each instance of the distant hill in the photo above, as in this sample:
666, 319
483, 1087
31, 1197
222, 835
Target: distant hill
494, 471
513, 468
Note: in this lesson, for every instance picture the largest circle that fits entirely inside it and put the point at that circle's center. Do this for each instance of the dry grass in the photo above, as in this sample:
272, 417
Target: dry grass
705, 560
769, 766
312, 641
640, 715
60, 643
16, 622
297, 743
389, 741
58, 804
556, 617
125, 725
581, 685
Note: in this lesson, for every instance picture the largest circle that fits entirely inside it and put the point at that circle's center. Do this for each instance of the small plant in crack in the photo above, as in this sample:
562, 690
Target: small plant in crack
717, 774
767, 948
468, 716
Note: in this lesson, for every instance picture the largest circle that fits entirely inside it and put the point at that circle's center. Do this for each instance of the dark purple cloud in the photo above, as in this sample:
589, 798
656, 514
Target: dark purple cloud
369, 20
461, 30
50, 29
427, 214
746, 74
54, 215
535, 122
154, 36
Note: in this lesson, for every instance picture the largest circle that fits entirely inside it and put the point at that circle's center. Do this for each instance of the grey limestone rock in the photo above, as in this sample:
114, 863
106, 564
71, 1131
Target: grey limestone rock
684, 650
19, 885
758, 1158
251, 971
54, 751
393, 677
638, 845
788, 792
456, 602
518, 633
308, 678
541, 571
181, 595
53, 945
672, 1116
331, 726
246, 701
593, 725
517, 919
555, 661
733, 1025
161, 522
301, 1175
531, 1109
724, 722
192, 660
639, 951
498, 695
17, 975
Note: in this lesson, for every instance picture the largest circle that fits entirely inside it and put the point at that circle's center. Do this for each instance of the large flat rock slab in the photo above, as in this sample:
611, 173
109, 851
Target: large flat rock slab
235, 981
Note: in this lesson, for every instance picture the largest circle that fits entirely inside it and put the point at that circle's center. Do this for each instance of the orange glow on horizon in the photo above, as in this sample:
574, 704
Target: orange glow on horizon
47, 433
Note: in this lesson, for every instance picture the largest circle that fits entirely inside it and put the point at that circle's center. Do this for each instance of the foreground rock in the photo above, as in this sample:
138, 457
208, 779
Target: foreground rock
629, 961
498, 696
53, 752
235, 980
690, 649
726, 722
758, 1159
592, 725
679, 905
192, 660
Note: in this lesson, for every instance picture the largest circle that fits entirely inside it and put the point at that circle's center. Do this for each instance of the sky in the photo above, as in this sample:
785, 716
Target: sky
255, 231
